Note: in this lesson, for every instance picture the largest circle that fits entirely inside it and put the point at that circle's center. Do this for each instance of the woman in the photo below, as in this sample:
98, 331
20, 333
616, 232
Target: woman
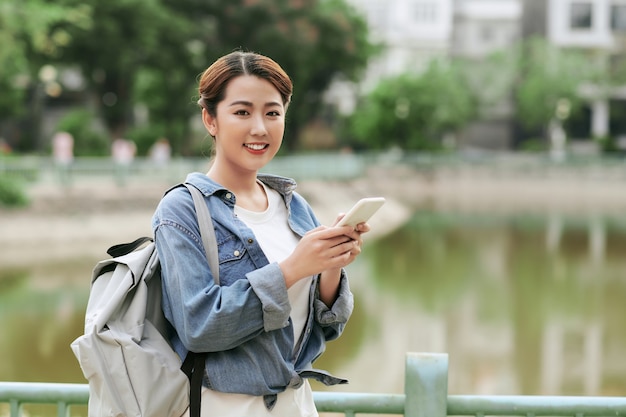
283, 292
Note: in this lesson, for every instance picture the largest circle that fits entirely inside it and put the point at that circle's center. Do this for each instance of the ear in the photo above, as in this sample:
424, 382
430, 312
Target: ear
209, 122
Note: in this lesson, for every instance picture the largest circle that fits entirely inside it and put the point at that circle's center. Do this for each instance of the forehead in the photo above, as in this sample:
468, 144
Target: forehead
252, 89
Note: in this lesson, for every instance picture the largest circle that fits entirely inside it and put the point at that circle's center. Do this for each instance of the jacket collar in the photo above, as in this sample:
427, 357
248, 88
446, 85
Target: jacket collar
207, 186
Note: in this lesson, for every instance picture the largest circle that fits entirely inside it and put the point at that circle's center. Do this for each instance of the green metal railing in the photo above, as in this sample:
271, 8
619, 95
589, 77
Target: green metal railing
331, 166
307, 166
426, 395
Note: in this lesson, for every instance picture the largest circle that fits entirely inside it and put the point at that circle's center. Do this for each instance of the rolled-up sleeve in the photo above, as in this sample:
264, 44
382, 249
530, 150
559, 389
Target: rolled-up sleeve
268, 283
340, 311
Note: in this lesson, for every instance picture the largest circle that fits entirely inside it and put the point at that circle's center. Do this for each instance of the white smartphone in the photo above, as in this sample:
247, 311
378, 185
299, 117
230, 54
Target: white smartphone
362, 211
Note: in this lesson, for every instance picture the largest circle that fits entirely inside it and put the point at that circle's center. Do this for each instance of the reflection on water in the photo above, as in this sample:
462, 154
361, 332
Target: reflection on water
36, 327
522, 306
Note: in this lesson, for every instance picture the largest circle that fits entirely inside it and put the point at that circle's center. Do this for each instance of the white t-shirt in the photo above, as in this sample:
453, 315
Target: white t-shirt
277, 241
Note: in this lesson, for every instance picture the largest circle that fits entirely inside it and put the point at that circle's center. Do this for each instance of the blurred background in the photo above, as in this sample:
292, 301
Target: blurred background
495, 128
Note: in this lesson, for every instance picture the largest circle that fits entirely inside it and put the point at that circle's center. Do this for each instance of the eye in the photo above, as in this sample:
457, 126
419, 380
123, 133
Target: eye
242, 112
273, 113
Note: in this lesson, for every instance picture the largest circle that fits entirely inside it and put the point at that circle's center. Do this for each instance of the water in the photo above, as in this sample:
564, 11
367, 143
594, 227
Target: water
523, 305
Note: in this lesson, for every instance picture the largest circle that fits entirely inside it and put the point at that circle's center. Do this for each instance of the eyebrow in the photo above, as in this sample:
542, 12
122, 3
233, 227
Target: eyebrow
249, 104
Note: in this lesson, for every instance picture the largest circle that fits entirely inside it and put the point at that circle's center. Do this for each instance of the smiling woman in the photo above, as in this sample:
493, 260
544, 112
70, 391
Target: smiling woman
283, 291
247, 127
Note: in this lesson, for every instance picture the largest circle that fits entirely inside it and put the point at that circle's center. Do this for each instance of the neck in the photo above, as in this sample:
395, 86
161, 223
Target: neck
230, 175
249, 193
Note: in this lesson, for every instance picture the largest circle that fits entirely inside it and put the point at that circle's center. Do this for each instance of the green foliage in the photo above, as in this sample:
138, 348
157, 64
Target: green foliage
11, 194
607, 144
30, 35
11, 98
491, 79
413, 111
144, 137
124, 38
150, 52
534, 145
167, 94
87, 140
547, 75
315, 41
340, 50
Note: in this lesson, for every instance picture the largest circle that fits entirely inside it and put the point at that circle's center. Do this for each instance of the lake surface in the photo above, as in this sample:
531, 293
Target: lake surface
523, 304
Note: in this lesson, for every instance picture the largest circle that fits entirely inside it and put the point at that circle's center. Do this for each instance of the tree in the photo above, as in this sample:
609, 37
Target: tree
149, 52
313, 40
491, 79
126, 36
30, 37
413, 111
548, 76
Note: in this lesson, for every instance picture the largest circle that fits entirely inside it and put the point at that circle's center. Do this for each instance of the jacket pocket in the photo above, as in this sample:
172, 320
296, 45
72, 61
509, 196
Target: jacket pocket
230, 249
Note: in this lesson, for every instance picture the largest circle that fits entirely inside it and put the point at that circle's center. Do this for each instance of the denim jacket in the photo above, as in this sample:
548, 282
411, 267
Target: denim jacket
244, 322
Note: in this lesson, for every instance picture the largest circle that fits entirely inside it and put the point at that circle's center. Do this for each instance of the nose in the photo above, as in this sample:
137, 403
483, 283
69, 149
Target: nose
258, 126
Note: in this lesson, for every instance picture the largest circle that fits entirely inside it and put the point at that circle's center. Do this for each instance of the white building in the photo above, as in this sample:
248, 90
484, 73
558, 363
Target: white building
586, 24
600, 26
484, 26
412, 33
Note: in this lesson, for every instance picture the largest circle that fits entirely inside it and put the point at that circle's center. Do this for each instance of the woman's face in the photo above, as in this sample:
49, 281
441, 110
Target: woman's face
249, 124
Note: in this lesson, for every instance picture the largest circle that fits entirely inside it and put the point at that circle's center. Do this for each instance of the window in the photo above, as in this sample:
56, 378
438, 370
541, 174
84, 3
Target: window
425, 12
487, 33
618, 17
581, 15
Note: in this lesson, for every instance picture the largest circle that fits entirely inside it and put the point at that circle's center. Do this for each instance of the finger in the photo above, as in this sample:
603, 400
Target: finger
340, 240
316, 230
331, 232
354, 235
343, 248
363, 227
338, 218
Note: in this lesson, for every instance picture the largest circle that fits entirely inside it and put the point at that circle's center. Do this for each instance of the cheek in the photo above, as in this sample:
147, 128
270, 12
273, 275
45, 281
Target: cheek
279, 129
229, 128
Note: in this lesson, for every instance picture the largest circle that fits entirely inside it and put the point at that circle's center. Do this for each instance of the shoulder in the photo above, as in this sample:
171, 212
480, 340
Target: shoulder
298, 199
175, 197
302, 211
178, 198
175, 206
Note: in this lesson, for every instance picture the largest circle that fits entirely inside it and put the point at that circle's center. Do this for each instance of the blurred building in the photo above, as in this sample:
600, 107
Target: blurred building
598, 26
414, 32
482, 27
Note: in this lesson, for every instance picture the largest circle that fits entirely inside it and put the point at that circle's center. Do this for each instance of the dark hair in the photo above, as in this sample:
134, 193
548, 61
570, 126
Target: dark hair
213, 82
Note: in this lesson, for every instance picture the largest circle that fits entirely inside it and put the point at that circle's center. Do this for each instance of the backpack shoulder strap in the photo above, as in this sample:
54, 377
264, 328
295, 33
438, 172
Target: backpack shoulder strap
207, 232
194, 364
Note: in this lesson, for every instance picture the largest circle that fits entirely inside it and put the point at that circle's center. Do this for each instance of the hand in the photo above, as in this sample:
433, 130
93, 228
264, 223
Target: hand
323, 248
330, 278
355, 235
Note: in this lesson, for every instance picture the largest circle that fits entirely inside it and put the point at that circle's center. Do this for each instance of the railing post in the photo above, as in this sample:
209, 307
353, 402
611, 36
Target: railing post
16, 408
426, 385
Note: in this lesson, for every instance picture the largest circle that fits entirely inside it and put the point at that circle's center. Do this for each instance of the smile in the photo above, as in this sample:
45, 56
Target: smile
256, 146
